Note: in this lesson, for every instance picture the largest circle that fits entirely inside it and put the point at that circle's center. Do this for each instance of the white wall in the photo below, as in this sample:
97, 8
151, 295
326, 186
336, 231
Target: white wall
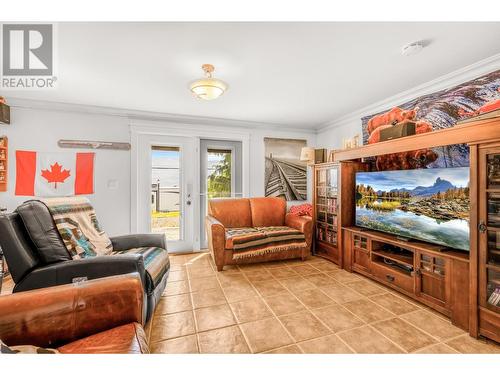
38, 129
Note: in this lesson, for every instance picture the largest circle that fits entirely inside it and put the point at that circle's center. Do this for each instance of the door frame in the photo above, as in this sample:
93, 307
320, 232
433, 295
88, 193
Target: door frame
140, 128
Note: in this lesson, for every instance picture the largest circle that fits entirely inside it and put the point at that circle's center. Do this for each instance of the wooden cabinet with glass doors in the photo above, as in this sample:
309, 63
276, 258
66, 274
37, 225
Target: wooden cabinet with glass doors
326, 211
489, 241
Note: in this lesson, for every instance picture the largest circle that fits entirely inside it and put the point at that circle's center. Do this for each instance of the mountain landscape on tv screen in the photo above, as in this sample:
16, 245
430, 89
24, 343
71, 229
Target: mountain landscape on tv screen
430, 204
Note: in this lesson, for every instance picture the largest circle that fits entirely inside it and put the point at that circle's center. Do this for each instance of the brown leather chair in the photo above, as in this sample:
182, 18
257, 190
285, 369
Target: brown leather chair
97, 316
227, 214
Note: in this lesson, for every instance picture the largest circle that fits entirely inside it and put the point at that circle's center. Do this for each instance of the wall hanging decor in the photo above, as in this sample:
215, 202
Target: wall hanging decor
285, 173
4, 111
439, 110
95, 145
54, 174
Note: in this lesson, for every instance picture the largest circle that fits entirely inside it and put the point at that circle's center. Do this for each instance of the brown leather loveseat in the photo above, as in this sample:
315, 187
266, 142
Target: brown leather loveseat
251, 230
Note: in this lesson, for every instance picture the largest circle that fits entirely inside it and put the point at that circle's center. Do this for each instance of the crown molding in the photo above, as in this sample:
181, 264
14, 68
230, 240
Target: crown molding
157, 117
454, 78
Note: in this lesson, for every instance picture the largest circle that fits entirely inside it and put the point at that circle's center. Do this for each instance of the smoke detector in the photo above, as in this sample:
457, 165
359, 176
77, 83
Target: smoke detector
412, 49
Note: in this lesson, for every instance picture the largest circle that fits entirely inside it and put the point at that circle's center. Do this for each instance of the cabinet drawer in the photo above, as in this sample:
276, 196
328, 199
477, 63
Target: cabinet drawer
393, 277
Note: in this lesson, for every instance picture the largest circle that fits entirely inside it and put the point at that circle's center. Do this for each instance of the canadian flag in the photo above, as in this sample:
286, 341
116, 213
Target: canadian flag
49, 174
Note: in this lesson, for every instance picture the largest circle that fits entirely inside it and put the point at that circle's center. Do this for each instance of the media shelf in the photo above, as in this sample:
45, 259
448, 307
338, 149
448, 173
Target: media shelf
417, 269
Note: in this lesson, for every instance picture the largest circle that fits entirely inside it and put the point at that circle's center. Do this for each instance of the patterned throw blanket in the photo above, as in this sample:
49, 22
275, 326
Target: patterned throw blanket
77, 224
250, 242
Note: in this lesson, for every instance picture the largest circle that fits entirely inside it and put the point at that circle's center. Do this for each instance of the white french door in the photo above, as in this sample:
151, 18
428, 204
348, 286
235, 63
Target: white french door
165, 188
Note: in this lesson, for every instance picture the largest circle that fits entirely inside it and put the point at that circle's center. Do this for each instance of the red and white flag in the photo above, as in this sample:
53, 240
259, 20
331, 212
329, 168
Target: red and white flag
50, 174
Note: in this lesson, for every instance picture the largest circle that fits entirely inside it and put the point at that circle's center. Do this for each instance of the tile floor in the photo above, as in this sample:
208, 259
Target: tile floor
294, 307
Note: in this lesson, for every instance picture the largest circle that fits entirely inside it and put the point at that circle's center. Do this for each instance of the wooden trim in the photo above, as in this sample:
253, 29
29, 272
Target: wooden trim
479, 131
473, 255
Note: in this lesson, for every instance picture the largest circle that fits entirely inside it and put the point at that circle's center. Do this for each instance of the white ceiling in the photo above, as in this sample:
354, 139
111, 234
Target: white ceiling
294, 74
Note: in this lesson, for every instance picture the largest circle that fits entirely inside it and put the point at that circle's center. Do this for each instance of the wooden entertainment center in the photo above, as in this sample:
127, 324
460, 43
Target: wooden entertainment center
458, 284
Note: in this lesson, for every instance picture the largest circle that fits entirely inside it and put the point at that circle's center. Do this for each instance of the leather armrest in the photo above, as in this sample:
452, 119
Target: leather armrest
132, 241
57, 315
216, 236
91, 268
301, 223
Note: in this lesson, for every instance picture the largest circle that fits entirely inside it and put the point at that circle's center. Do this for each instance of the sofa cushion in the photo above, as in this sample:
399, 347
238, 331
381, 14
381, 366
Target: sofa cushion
126, 339
268, 212
156, 263
232, 213
267, 240
43, 232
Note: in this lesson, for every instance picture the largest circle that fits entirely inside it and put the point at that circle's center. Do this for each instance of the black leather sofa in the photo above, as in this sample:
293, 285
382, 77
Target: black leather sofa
37, 257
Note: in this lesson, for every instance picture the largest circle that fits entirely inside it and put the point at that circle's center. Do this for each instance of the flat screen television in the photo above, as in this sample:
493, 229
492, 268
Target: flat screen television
425, 204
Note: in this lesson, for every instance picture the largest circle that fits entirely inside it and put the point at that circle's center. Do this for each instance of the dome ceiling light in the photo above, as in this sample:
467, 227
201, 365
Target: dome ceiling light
208, 88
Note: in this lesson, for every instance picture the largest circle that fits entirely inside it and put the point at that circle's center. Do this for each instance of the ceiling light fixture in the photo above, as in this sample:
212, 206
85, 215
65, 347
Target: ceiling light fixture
208, 88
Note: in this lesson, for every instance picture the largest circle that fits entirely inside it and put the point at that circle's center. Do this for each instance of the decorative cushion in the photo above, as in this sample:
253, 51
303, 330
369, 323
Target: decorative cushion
25, 349
266, 240
156, 263
43, 232
301, 210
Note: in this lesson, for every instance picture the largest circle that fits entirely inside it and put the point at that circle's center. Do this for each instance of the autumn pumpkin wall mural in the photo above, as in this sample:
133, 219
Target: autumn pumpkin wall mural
440, 110
54, 174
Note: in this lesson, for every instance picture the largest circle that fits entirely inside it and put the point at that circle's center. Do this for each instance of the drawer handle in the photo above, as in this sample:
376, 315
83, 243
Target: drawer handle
389, 278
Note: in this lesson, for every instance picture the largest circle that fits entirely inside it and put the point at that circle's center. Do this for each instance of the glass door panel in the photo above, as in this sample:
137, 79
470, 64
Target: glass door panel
493, 287
166, 192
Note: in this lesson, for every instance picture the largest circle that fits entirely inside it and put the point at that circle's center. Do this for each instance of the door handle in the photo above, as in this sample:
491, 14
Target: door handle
389, 278
482, 227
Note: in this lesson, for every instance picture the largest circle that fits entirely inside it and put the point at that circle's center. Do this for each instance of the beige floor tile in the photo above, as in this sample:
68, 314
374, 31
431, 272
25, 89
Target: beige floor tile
269, 288
250, 310
394, 304
258, 275
367, 311
174, 304
325, 345
432, 324
232, 278
313, 298
241, 292
208, 298
439, 348
283, 272
250, 267
204, 283
174, 325
228, 270
305, 269
213, 317
325, 266
404, 334
365, 287
177, 267
296, 283
180, 345
284, 303
176, 287
275, 264
345, 277
467, 344
304, 326
337, 318
368, 341
320, 279
226, 340
197, 272
340, 293
266, 334
177, 276
290, 349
